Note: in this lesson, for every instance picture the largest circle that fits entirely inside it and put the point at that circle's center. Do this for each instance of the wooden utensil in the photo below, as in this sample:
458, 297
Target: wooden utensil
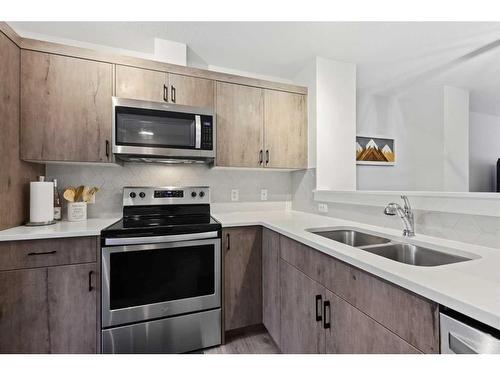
91, 194
85, 194
69, 194
78, 193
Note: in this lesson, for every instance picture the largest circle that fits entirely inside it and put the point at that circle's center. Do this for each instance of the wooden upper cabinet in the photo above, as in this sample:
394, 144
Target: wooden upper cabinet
285, 129
141, 84
186, 90
65, 108
240, 120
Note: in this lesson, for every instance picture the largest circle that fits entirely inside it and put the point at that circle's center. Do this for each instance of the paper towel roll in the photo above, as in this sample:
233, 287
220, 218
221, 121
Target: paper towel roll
41, 202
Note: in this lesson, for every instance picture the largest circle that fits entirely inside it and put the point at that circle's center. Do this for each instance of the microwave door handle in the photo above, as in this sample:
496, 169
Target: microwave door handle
197, 119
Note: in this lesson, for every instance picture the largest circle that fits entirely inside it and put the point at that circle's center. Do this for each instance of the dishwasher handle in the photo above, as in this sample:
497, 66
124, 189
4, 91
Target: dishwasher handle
462, 335
459, 346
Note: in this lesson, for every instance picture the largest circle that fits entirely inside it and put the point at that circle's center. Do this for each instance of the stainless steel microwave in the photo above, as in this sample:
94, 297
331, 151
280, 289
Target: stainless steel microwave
162, 132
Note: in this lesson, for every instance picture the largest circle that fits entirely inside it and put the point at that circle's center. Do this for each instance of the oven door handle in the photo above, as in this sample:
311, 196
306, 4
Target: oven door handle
160, 239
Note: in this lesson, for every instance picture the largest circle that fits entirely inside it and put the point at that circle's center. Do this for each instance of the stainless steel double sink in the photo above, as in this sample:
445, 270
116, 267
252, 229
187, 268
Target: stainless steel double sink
398, 251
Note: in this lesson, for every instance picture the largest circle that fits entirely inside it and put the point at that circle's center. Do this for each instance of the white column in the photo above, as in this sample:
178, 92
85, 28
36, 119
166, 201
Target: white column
331, 122
456, 139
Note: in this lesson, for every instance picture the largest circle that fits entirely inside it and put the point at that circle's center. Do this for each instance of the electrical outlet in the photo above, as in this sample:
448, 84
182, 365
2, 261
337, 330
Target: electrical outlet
263, 194
322, 207
235, 195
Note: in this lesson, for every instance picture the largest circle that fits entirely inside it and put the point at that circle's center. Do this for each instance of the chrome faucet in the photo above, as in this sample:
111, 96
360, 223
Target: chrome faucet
405, 213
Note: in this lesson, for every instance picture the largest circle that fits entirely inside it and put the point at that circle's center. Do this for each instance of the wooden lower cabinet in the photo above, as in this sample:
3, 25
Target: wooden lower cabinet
72, 308
353, 332
242, 248
413, 318
301, 332
47, 307
24, 310
271, 283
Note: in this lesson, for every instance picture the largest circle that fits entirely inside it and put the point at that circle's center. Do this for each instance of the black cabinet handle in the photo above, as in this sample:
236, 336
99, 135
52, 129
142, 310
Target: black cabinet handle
165, 93
107, 148
228, 242
267, 157
90, 281
260, 157
172, 93
326, 313
43, 253
318, 307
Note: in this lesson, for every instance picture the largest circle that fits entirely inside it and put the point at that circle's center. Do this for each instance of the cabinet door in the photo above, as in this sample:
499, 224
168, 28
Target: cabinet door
198, 92
65, 108
285, 125
353, 332
271, 283
301, 332
141, 84
24, 326
242, 274
73, 308
240, 119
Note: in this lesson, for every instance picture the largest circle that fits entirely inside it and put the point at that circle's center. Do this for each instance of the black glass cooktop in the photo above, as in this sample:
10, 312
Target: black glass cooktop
143, 221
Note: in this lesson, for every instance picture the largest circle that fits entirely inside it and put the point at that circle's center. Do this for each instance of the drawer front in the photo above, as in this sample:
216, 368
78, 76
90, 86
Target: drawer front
306, 259
353, 332
45, 253
410, 316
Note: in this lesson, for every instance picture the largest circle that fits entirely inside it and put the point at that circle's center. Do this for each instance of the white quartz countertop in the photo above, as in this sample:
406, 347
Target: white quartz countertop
90, 227
471, 287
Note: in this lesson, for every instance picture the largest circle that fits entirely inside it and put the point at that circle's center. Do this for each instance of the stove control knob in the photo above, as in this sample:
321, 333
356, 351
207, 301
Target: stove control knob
142, 194
193, 194
202, 194
132, 195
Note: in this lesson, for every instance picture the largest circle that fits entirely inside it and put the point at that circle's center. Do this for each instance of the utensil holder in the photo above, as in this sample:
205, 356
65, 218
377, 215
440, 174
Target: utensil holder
77, 211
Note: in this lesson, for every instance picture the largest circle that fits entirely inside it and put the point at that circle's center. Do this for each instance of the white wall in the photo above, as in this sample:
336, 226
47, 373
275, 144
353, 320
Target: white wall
456, 139
415, 121
484, 151
307, 77
335, 125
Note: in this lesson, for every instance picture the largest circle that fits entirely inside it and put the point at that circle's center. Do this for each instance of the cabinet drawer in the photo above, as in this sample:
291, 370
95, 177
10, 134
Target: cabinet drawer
410, 316
46, 253
353, 332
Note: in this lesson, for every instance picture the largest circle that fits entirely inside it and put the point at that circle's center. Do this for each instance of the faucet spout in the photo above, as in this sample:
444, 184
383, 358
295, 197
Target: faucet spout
406, 215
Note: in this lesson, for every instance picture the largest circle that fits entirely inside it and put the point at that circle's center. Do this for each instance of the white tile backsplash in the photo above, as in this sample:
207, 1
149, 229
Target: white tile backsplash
111, 180
476, 229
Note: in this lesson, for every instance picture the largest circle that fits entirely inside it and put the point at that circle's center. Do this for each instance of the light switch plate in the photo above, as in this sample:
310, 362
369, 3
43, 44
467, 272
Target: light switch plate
322, 207
263, 194
235, 195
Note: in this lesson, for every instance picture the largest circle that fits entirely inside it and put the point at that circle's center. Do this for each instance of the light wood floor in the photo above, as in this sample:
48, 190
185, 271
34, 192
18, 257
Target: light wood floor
255, 341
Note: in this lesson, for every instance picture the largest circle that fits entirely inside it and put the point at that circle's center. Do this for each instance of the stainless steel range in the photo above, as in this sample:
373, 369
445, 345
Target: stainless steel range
161, 273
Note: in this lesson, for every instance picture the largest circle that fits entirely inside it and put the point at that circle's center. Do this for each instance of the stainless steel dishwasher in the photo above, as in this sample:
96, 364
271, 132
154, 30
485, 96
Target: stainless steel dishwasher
460, 335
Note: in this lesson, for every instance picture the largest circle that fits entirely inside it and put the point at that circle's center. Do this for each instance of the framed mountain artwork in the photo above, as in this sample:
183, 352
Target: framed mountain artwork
375, 151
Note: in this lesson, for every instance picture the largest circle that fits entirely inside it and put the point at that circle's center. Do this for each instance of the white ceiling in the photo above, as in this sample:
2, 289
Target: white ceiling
387, 54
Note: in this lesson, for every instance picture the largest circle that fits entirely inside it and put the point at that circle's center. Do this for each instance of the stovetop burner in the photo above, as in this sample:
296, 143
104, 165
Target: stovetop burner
149, 211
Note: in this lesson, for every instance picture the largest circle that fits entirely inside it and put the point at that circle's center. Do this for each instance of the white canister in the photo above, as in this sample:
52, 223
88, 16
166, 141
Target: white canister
77, 211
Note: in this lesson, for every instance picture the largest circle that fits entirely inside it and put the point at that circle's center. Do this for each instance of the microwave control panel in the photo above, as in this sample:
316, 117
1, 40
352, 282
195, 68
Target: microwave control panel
207, 133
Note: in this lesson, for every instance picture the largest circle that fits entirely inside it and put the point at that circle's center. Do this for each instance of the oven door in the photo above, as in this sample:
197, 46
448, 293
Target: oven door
148, 281
152, 129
